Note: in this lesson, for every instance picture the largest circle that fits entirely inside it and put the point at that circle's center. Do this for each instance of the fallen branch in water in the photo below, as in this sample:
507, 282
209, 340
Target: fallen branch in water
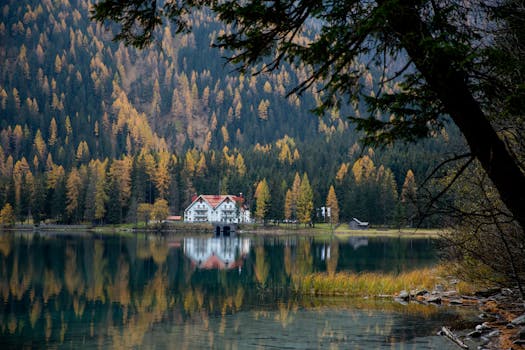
454, 338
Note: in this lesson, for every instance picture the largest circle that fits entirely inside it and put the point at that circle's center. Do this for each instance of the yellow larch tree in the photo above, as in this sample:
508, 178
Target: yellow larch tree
73, 187
189, 163
7, 215
363, 169
20, 170
262, 197
53, 132
341, 173
240, 165
225, 134
201, 166
288, 205
120, 175
285, 155
40, 145
332, 203
409, 187
162, 176
295, 194
305, 201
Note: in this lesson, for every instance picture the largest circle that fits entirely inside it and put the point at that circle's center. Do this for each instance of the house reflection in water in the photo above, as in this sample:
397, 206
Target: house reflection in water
358, 242
217, 253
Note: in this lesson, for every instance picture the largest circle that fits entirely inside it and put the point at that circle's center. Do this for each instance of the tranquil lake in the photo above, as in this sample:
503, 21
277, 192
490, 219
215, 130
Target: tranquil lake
84, 291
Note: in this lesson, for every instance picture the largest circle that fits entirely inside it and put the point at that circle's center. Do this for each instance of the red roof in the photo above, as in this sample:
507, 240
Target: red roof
214, 200
214, 262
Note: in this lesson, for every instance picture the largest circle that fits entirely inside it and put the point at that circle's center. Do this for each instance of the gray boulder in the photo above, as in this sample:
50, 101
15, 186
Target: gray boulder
434, 300
403, 295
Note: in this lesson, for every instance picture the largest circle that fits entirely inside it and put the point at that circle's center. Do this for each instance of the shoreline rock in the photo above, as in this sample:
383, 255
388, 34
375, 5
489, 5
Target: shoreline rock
503, 315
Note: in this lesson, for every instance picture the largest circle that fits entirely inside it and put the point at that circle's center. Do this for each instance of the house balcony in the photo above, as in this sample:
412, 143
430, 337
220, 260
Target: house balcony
228, 218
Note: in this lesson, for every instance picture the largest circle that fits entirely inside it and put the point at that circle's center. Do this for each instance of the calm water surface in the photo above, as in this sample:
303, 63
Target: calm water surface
84, 291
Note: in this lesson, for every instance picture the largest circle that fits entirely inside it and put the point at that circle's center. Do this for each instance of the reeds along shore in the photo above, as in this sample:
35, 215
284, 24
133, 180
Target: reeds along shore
374, 284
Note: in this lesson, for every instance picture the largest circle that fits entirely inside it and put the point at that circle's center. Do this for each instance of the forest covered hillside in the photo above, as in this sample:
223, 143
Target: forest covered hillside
94, 131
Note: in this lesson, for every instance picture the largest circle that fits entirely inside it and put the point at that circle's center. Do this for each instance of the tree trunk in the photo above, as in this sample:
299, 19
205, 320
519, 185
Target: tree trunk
450, 85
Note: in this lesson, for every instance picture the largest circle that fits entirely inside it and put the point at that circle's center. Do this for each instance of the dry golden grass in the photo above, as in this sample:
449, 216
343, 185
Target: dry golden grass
375, 284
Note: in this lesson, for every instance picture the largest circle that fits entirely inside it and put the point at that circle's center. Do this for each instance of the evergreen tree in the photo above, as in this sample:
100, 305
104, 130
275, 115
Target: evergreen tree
89, 205
58, 200
38, 202
387, 197
114, 207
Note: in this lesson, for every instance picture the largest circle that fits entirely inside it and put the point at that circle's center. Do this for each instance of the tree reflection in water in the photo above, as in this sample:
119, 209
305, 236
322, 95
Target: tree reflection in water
190, 293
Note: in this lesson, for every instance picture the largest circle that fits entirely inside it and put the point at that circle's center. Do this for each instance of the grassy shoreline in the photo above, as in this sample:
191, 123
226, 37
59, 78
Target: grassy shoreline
371, 284
320, 231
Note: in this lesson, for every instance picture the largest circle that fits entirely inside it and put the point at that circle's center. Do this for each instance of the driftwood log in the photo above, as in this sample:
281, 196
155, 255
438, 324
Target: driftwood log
454, 338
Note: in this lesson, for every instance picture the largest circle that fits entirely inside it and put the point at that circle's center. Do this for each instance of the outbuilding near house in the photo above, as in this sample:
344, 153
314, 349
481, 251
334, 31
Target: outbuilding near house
356, 224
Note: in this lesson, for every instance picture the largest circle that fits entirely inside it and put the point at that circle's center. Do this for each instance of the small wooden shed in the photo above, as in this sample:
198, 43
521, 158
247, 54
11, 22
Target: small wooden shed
356, 224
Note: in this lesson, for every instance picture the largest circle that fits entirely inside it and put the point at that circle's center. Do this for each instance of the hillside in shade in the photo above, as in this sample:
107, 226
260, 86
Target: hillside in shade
93, 131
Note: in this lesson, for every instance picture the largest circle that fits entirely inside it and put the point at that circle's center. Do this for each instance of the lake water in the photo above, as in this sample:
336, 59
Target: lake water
102, 292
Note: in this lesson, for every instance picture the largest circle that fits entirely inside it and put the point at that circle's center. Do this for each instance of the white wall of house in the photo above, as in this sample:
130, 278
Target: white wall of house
198, 211
227, 211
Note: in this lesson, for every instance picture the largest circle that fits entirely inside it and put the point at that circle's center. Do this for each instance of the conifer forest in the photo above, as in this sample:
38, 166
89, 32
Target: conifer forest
91, 129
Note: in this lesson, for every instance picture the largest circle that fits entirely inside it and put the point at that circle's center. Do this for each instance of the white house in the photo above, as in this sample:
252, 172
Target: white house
217, 208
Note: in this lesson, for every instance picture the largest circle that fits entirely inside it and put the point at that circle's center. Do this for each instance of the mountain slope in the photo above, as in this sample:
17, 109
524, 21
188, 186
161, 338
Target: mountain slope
171, 121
